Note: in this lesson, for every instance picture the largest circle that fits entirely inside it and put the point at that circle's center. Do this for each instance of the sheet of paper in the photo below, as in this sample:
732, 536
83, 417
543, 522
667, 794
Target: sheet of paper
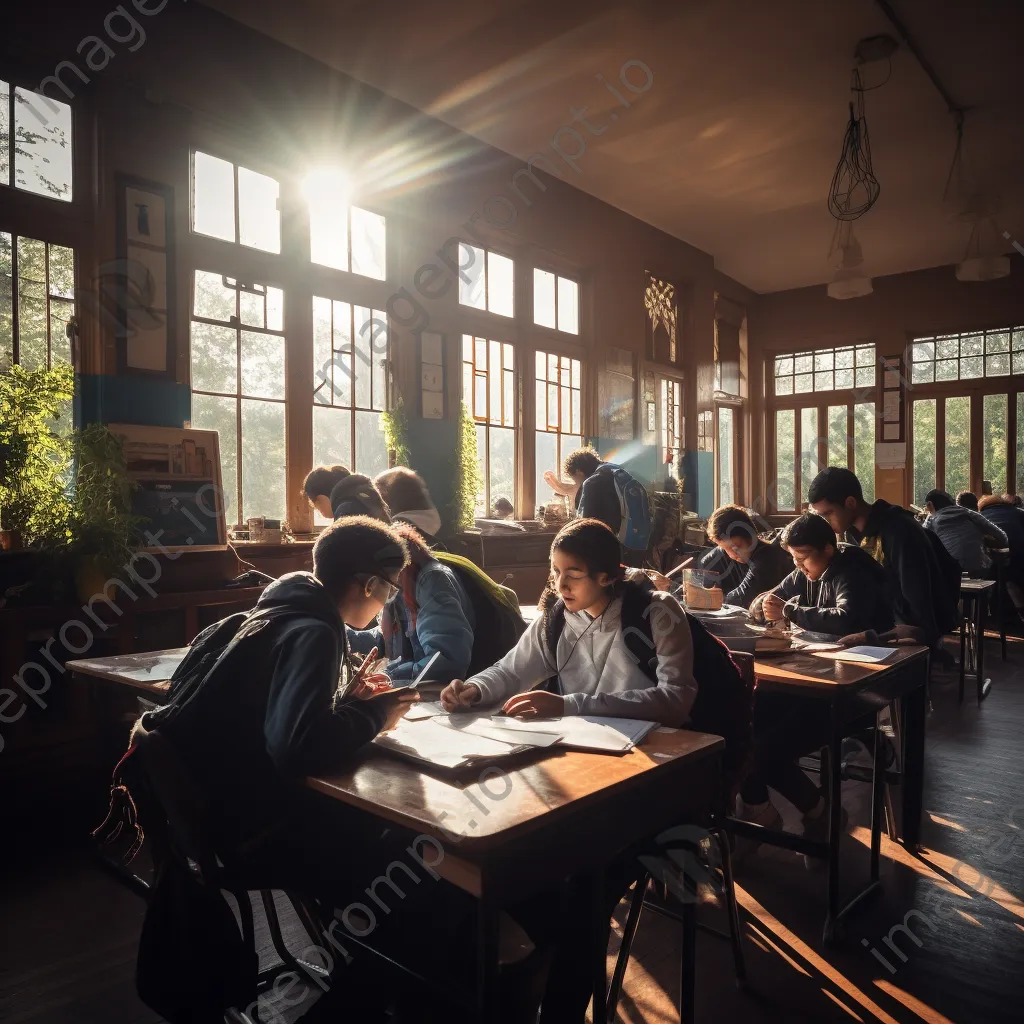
431, 742
497, 729
424, 710
864, 655
891, 406
587, 732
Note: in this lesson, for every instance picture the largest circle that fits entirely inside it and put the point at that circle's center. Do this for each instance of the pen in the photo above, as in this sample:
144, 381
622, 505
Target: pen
416, 682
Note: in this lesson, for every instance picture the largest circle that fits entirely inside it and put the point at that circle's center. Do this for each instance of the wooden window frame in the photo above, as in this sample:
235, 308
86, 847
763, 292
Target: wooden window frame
813, 354
1015, 348
737, 407
558, 329
488, 252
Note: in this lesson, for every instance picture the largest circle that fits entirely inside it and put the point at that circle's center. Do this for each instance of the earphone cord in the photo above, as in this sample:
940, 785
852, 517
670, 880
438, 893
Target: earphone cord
572, 650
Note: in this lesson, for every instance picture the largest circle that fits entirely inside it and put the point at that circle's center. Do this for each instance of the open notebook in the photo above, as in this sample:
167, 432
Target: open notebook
454, 742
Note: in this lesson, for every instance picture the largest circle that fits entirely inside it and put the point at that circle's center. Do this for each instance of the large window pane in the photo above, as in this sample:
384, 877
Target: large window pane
214, 358
958, 444
262, 365
726, 469
864, 447
500, 284
212, 413
32, 324
369, 256
6, 300
501, 465
259, 221
546, 457
472, 280
371, 456
544, 298
332, 442
924, 449
328, 221
568, 306
213, 197
263, 459
785, 469
809, 465
43, 160
994, 448
1019, 487
838, 452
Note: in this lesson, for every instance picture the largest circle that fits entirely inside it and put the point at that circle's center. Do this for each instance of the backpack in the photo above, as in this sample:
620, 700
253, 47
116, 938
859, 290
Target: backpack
724, 702
637, 523
499, 622
950, 574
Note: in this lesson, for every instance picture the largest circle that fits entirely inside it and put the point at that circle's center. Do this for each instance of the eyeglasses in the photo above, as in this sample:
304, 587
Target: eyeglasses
393, 588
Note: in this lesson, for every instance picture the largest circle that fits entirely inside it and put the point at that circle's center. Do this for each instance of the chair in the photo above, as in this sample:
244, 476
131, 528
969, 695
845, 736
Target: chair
695, 843
171, 812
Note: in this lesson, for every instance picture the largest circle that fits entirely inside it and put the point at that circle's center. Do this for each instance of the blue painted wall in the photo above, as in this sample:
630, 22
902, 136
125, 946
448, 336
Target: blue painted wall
150, 401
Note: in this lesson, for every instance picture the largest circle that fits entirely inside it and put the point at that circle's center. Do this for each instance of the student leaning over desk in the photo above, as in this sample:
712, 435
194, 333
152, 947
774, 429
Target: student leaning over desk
590, 646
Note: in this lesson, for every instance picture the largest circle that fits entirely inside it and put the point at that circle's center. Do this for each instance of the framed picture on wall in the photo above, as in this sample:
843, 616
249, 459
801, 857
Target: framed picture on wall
141, 279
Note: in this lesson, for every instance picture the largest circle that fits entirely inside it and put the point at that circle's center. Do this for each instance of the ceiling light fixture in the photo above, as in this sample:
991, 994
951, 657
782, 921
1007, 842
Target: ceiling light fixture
849, 282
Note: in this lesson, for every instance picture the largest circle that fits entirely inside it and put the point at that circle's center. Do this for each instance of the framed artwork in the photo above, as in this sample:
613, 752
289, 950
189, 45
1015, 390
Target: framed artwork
143, 277
662, 308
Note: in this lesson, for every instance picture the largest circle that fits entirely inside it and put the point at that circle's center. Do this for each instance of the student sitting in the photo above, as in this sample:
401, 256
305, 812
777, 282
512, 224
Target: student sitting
405, 493
761, 565
1001, 511
334, 492
837, 590
924, 580
429, 613
585, 643
966, 535
967, 499
604, 491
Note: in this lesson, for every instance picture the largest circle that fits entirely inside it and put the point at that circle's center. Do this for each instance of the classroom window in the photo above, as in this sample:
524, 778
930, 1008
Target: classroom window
556, 301
37, 302
809, 463
343, 236
924, 424
829, 369
235, 204
38, 154
705, 431
864, 447
488, 390
994, 447
350, 354
957, 439
967, 356
785, 460
238, 388
558, 384
487, 280
726, 455
671, 397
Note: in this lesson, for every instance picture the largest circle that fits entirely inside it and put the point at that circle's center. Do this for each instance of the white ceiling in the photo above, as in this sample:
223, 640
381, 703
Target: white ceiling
733, 147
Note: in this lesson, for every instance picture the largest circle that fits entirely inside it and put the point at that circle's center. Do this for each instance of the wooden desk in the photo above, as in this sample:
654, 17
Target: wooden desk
513, 829
973, 598
849, 688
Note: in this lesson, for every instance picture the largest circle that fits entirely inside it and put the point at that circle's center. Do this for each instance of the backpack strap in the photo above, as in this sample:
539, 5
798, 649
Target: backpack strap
636, 627
554, 626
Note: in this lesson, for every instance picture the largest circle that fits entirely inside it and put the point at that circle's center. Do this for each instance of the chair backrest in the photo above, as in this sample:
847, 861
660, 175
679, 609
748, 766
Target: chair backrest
744, 661
173, 808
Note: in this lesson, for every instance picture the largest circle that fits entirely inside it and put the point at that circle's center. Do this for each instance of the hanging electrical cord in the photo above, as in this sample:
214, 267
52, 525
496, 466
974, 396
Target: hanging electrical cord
854, 189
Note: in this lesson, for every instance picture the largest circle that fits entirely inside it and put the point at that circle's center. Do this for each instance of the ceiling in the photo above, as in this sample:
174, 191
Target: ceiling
733, 146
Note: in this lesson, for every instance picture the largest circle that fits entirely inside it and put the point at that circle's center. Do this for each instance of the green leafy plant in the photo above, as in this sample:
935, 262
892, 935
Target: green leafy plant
35, 450
396, 433
467, 474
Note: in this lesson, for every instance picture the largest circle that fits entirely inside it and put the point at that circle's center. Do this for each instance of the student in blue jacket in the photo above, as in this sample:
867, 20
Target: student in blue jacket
429, 614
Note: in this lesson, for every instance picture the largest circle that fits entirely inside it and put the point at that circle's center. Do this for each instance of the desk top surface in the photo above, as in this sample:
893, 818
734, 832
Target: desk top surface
149, 671
520, 797
819, 671
975, 586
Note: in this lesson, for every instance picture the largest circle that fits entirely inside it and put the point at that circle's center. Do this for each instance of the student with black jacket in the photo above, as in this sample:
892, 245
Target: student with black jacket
924, 579
761, 564
837, 589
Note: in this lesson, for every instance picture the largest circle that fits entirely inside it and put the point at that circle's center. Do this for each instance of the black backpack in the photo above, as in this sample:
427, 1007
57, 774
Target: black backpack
950, 574
724, 702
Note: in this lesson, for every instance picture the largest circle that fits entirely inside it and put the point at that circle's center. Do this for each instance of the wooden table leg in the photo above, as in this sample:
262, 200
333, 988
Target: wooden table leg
979, 630
488, 923
964, 625
835, 816
914, 713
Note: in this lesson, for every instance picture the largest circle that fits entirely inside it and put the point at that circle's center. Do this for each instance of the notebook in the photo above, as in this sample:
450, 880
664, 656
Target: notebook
431, 743
586, 732
862, 655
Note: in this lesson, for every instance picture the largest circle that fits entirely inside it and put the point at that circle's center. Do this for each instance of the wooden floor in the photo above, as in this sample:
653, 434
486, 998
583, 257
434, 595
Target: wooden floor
68, 931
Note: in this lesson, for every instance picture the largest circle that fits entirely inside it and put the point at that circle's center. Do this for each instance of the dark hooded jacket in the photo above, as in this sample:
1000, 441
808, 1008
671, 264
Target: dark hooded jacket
850, 596
769, 563
355, 495
964, 535
268, 714
923, 576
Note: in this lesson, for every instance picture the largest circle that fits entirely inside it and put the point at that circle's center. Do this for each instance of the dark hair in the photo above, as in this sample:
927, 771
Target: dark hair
834, 485
939, 499
403, 490
321, 480
582, 460
968, 499
809, 531
357, 546
730, 521
1018, 501
592, 542
503, 507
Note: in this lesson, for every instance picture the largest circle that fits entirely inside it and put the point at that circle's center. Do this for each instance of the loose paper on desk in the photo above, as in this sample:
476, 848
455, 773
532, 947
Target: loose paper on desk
586, 732
863, 655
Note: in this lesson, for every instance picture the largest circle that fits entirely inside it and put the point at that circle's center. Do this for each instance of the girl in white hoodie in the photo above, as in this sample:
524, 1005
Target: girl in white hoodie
594, 671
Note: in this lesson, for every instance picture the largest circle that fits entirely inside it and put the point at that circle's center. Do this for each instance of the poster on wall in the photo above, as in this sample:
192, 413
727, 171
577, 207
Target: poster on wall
142, 278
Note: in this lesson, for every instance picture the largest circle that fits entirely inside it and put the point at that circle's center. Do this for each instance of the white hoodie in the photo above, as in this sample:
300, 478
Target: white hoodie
598, 675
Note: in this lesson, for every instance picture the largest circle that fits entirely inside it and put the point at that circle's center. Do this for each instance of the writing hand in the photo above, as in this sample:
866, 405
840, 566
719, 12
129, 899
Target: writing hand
535, 704
459, 695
